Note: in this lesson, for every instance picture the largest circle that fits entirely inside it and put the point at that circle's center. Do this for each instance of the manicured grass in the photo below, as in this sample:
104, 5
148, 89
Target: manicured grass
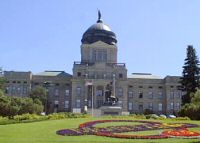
117, 124
45, 132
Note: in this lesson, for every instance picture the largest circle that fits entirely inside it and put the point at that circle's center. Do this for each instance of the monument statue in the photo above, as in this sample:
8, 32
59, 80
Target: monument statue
109, 99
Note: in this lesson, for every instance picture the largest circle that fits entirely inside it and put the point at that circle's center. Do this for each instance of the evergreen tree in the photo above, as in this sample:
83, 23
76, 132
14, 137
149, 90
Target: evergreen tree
2, 83
191, 75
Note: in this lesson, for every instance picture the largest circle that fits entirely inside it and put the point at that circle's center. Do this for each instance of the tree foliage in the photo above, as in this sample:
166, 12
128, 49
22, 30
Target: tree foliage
2, 83
40, 94
11, 106
192, 109
190, 75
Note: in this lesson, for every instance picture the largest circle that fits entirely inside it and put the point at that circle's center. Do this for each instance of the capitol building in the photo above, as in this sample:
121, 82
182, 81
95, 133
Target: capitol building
98, 67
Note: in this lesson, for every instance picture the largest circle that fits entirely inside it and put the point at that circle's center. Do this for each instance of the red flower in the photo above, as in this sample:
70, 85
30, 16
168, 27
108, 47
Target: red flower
181, 132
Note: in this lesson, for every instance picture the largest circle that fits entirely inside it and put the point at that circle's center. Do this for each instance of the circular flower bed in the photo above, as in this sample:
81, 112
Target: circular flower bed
88, 128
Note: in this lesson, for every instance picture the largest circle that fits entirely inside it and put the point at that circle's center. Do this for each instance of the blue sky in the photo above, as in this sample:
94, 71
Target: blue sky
38, 35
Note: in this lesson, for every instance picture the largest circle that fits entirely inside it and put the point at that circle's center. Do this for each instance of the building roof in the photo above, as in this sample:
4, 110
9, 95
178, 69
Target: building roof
53, 73
99, 32
144, 76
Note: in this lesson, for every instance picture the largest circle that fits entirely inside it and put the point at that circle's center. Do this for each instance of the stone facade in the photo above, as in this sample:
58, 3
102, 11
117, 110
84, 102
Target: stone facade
137, 93
153, 93
18, 83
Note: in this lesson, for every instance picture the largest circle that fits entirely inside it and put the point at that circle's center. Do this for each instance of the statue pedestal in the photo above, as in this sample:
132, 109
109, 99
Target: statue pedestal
111, 110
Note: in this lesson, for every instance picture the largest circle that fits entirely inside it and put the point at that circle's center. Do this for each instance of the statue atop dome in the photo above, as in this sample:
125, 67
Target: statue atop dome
99, 17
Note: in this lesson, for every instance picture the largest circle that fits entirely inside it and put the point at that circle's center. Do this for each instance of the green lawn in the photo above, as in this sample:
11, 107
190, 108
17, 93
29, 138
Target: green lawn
45, 132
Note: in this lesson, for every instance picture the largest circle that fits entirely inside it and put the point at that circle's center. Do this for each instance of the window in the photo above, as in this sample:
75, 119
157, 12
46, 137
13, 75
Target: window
140, 94
99, 93
150, 95
160, 94
177, 106
78, 91
13, 89
130, 105
120, 75
7, 90
56, 92
18, 90
178, 94
120, 103
89, 103
78, 103
159, 106
99, 103
171, 106
140, 107
160, 87
175, 94
79, 74
66, 104
130, 94
104, 76
100, 55
150, 106
172, 95
36, 83
67, 92
56, 103
24, 90
120, 91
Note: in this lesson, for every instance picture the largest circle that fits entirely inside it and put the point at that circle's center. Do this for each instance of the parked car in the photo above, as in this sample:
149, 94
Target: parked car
171, 116
154, 116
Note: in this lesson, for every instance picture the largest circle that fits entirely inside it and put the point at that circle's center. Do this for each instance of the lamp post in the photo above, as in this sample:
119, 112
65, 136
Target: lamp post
87, 84
46, 85
85, 101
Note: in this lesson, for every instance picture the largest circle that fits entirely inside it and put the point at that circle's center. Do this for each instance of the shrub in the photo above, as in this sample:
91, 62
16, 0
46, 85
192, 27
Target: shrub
190, 110
138, 116
153, 116
3, 119
148, 111
27, 117
55, 116
180, 118
62, 115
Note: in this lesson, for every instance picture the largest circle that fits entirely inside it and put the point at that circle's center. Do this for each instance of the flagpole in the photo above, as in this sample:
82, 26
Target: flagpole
114, 85
92, 100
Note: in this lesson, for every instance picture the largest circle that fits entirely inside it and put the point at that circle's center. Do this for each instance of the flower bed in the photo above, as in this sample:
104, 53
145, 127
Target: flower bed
88, 128
181, 132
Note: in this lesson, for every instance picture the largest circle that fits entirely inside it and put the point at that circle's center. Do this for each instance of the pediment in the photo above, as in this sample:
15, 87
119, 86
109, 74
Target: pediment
100, 44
